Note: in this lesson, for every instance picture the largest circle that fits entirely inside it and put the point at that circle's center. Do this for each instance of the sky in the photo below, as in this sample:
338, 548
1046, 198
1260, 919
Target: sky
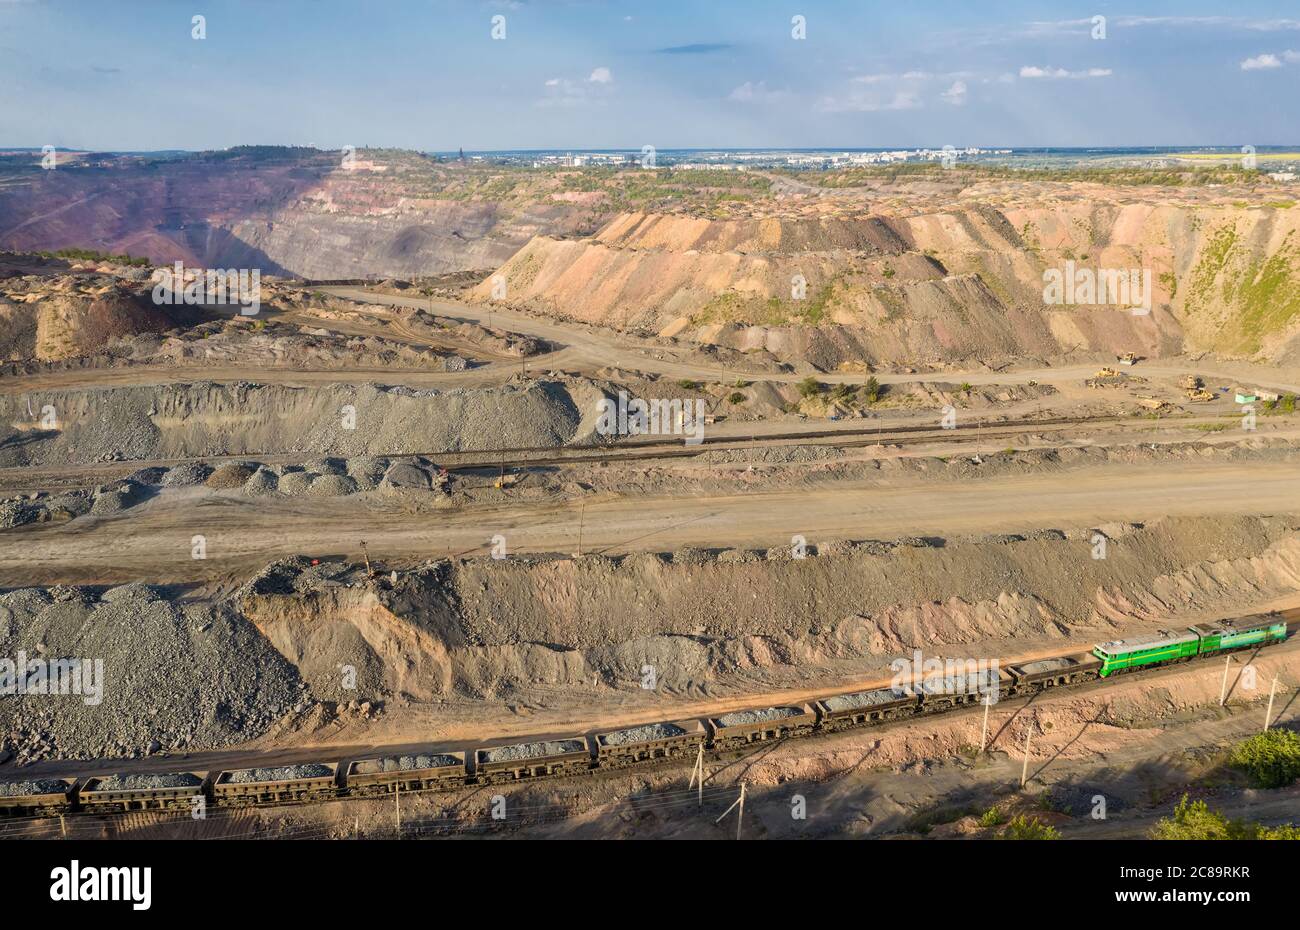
129, 75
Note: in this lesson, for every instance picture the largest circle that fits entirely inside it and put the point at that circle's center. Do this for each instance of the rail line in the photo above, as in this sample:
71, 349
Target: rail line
718, 739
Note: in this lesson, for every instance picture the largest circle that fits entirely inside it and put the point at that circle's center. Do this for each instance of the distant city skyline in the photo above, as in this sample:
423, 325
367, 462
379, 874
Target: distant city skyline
577, 75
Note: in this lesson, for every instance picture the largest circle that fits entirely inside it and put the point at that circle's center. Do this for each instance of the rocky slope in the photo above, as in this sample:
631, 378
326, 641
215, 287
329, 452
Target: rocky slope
930, 282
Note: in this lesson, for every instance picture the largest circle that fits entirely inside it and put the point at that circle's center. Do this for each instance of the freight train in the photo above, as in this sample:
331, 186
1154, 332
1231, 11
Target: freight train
579, 754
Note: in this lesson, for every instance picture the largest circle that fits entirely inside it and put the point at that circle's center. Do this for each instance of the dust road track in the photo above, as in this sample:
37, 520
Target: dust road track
152, 542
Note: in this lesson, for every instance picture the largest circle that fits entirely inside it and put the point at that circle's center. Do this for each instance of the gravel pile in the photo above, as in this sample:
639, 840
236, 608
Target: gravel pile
280, 773
69, 505
532, 750
367, 471
861, 699
186, 475
261, 482
405, 763
17, 513
151, 475
172, 677
13, 789
756, 716
650, 731
229, 475
108, 503
329, 466
148, 782
403, 475
295, 482
331, 486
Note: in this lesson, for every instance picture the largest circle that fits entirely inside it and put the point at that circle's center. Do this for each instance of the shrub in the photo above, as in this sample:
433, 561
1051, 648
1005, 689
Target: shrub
872, 390
809, 387
1028, 828
735, 397
1194, 820
1271, 758
992, 817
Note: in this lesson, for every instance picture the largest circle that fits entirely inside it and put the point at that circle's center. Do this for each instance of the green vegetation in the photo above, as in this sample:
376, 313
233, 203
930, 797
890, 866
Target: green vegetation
809, 387
735, 397
1022, 827
687, 385
1194, 820
1271, 758
90, 255
992, 817
1264, 294
871, 391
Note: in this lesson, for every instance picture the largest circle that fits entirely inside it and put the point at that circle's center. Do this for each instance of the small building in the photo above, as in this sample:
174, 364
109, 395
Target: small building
1246, 397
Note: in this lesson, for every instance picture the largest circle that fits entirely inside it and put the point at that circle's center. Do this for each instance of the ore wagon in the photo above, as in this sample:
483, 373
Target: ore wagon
1041, 674
315, 781
434, 770
174, 791
859, 708
673, 740
568, 756
36, 797
752, 726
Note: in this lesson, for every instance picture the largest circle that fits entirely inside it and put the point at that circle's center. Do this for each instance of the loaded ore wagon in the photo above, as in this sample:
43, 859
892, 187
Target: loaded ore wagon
742, 727
957, 688
141, 792
652, 741
1050, 673
313, 781
532, 760
862, 707
418, 772
36, 797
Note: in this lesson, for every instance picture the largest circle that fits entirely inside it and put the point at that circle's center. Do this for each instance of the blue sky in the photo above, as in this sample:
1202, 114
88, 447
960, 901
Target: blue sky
588, 74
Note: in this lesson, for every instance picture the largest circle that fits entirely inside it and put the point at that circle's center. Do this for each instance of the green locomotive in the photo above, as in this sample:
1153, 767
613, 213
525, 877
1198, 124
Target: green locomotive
1199, 640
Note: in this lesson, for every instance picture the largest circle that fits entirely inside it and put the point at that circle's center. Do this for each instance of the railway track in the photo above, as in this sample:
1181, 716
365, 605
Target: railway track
25, 478
717, 739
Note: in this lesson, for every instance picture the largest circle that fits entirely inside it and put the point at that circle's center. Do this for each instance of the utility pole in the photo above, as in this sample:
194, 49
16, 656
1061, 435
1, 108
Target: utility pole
397, 800
1268, 714
582, 512
1024, 769
740, 815
984, 733
366, 555
698, 770
1223, 688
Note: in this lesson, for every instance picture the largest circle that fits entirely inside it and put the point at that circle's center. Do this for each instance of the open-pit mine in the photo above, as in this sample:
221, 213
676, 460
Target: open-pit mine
547, 500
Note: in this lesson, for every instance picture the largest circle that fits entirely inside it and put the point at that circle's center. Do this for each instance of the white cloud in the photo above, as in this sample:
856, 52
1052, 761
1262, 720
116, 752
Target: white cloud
1261, 63
871, 103
1035, 72
751, 92
956, 94
601, 76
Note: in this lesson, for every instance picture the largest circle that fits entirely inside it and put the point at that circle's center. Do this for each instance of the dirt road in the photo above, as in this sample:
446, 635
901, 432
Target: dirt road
152, 542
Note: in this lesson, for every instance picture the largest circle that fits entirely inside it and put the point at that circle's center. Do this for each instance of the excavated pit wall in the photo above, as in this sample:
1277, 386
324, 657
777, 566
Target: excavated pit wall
485, 628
